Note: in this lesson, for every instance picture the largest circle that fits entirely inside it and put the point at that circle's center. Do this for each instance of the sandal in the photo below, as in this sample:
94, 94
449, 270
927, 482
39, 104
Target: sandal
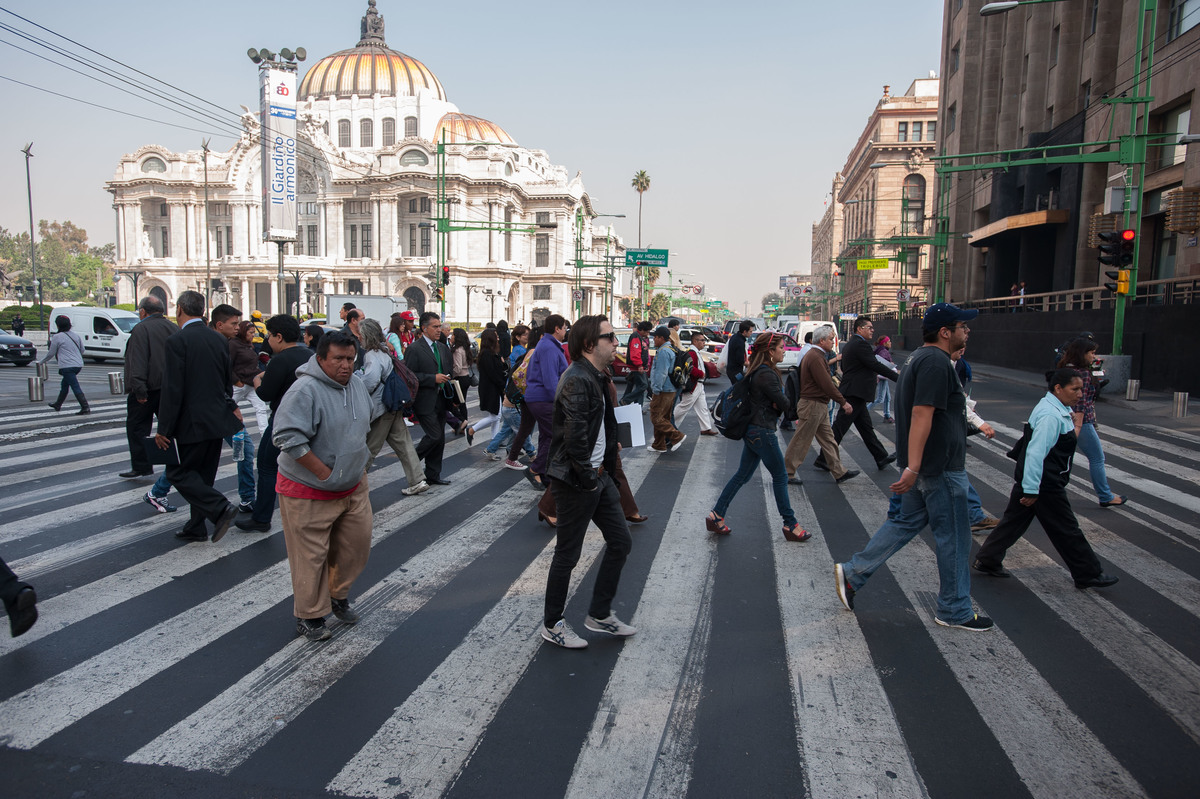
1115, 502
638, 519
789, 532
550, 520
716, 524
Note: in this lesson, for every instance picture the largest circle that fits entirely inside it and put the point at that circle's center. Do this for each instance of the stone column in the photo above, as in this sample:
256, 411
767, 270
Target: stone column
245, 293
241, 233
177, 219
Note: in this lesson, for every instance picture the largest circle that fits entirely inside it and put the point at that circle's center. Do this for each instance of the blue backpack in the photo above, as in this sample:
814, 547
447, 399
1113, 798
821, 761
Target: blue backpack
398, 390
733, 410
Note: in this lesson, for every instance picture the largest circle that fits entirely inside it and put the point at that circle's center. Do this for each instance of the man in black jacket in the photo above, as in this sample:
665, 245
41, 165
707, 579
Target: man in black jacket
859, 369
583, 459
145, 357
197, 410
735, 361
430, 360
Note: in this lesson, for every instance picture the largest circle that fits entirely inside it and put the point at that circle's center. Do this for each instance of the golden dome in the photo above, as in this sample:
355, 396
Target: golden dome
369, 68
464, 128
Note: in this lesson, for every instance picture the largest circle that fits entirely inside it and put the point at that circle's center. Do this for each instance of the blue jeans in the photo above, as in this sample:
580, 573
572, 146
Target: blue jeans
510, 420
245, 471
1089, 445
975, 512
883, 394
941, 502
70, 383
161, 487
759, 444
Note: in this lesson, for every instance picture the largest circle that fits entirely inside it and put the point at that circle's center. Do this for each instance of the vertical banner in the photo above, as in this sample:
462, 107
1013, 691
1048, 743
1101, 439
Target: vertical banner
278, 120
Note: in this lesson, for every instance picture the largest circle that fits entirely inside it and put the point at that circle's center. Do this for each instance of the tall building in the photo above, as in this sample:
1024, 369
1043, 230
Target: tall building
882, 206
369, 119
1047, 74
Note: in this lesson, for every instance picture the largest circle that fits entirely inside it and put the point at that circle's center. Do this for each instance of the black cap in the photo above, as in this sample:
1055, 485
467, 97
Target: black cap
662, 332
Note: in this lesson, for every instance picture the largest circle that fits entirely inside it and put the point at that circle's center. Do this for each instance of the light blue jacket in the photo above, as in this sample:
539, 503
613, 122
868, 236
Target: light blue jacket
660, 372
1049, 420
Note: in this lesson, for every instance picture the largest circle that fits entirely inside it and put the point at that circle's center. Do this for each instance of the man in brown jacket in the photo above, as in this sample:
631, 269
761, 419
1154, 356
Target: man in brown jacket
816, 389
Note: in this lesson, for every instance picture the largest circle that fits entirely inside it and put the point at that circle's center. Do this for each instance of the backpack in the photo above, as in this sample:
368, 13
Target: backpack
681, 369
512, 392
520, 374
733, 410
399, 387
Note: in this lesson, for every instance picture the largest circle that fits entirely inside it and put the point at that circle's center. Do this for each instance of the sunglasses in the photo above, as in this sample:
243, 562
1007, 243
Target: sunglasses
610, 336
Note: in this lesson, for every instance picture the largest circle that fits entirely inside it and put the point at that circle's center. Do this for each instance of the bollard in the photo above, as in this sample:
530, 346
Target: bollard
116, 382
37, 389
1132, 389
43, 371
1181, 404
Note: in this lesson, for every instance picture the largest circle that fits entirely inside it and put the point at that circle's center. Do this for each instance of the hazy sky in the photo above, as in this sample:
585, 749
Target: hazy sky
740, 112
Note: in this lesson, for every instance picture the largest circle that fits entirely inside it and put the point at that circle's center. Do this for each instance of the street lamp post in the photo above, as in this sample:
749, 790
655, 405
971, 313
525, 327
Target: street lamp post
580, 262
32, 252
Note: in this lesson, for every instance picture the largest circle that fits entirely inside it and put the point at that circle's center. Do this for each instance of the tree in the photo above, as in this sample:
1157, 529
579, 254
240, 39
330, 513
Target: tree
62, 256
773, 298
74, 239
641, 184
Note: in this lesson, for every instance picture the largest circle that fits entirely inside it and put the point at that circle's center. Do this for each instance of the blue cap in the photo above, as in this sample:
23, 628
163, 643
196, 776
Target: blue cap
946, 315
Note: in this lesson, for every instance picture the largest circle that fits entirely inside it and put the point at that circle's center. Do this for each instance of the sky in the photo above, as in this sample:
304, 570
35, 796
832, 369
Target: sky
741, 113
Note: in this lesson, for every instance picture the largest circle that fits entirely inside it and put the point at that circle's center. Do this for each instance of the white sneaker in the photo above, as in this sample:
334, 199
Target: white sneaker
407, 423
493, 456
419, 488
563, 635
612, 625
678, 444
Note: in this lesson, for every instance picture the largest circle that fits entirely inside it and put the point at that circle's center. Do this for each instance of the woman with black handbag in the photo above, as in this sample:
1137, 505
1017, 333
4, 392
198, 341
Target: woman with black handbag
460, 348
493, 375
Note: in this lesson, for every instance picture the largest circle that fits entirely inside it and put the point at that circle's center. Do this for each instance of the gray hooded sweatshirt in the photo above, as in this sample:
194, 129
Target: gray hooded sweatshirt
320, 415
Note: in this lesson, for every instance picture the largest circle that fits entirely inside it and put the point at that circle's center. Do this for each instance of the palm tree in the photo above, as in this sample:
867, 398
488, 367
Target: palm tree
641, 183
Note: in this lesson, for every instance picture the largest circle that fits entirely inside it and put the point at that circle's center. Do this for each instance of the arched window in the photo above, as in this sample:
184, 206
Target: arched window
913, 217
366, 133
325, 127
154, 165
343, 133
410, 127
389, 132
414, 158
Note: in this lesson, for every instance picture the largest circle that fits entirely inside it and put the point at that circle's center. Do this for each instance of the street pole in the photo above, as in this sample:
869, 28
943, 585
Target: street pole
32, 253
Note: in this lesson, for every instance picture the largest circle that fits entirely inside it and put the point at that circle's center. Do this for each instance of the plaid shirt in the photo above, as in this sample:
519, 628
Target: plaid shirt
1087, 400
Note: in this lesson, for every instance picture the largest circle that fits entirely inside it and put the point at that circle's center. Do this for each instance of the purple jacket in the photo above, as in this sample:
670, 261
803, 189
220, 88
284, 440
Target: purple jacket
549, 362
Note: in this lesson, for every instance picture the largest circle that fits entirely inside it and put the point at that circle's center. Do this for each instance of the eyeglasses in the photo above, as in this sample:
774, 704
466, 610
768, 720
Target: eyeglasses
610, 336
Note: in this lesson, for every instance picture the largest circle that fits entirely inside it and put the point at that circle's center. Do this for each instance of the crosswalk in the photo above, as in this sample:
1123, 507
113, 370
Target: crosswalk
747, 678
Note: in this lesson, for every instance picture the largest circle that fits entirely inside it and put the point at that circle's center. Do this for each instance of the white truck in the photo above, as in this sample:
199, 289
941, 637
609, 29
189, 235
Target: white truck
375, 307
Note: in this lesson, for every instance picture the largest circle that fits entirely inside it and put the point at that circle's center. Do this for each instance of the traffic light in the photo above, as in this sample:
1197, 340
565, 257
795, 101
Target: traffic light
639, 263
437, 294
445, 276
1121, 278
1116, 249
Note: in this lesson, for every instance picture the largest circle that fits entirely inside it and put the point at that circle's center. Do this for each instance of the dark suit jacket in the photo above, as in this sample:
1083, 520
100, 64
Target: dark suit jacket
197, 396
419, 358
859, 368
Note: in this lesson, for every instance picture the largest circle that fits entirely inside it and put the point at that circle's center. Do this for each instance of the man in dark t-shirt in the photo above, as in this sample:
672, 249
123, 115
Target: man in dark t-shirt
931, 438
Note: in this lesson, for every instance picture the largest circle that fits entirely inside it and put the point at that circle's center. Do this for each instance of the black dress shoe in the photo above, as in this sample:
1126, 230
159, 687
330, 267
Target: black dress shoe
821, 465
252, 526
437, 481
184, 535
849, 473
22, 611
795, 481
222, 522
883, 464
133, 473
991, 571
1101, 580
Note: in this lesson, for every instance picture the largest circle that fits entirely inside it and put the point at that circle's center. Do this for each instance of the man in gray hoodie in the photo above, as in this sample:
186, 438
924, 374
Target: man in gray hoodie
321, 431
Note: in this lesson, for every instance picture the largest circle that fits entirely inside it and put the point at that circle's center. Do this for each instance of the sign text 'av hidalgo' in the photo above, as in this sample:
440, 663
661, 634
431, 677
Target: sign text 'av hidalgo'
278, 152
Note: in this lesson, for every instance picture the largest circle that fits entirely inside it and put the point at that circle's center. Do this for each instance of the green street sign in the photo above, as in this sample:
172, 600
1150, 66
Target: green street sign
715, 304
872, 263
770, 307
646, 257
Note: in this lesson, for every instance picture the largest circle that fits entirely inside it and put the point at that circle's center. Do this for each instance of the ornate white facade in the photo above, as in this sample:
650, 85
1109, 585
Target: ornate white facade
368, 121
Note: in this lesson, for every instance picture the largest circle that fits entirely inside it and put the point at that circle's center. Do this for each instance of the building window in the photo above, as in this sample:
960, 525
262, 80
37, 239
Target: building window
325, 127
916, 131
389, 132
166, 246
952, 118
312, 240
162, 209
930, 131
541, 292
1175, 123
1185, 15
343, 133
955, 52
352, 240
1086, 91
508, 220
913, 213
541, 250
902, 131
412, 205
426, 204
220, 239
154, 165
414, 158
425, 242
410, 127
354, 287
412, 240
1094, 17
229, 239
1054, 45
366, 240
366, 133
542, 218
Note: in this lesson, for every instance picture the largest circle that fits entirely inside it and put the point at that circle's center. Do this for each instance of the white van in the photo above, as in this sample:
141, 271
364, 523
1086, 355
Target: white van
104, 331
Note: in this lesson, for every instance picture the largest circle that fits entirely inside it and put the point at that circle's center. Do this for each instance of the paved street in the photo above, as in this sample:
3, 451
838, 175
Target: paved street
163, 669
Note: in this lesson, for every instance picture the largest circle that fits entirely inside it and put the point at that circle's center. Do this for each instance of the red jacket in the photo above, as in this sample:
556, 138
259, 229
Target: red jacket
637, 352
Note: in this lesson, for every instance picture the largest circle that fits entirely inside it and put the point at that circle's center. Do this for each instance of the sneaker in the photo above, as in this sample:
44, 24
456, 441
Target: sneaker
563, 635
611, 625
160, 504
986, 523
509, 463
653, 448
246, 507
412, 491
313, 629
492, 456
678, 443
976, 623
844, 591
341, 609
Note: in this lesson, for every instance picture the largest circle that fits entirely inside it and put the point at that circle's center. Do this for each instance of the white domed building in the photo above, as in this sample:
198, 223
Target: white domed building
368, 122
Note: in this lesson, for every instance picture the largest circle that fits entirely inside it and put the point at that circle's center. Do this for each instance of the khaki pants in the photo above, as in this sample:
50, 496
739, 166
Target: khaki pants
328, 542
698, 401
391, 428
813, 422
665, 433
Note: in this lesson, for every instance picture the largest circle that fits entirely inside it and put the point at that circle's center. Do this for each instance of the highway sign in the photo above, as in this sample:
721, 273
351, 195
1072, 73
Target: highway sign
646, 257
872, 263
715, 304
771, 307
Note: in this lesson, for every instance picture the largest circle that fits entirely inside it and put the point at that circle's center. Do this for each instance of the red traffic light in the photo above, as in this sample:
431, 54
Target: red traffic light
1128, 235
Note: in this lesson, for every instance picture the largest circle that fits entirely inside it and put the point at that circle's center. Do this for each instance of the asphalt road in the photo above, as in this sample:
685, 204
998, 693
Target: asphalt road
165, 670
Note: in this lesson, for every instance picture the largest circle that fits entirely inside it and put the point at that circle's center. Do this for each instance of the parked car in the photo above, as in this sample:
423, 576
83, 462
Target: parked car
16, 350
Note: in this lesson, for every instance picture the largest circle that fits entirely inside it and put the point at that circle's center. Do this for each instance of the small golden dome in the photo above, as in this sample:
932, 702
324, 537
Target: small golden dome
464, 128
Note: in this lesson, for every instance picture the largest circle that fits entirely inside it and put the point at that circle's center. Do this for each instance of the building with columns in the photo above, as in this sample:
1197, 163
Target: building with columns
368, 122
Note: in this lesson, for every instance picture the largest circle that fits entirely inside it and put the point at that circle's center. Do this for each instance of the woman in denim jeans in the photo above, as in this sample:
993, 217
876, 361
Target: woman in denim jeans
760, 442
67, 348
1079, 355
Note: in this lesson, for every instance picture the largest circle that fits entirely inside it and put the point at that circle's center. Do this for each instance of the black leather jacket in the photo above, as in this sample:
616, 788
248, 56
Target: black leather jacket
580, 406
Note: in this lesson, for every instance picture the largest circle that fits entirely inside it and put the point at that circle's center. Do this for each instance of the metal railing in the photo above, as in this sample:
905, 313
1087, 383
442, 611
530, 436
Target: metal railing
1171, 291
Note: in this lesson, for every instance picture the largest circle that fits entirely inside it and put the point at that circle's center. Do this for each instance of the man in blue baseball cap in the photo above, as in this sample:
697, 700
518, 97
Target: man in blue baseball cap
931, 439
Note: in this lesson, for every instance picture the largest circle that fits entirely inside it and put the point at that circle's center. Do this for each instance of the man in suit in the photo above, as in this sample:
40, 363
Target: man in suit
430, 360
145, 358
197, 410
859, 369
